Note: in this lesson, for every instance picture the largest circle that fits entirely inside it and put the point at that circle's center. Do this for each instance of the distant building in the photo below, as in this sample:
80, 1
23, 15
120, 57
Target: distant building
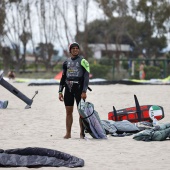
30, 59
100, 50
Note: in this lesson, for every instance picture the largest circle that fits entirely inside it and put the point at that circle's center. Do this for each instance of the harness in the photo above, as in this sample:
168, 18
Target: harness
71, 83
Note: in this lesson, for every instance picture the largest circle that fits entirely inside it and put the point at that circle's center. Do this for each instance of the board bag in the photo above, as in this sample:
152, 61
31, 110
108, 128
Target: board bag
91, 120
138, 113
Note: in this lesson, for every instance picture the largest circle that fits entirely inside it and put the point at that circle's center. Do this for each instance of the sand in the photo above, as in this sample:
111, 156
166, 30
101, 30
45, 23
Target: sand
44, 126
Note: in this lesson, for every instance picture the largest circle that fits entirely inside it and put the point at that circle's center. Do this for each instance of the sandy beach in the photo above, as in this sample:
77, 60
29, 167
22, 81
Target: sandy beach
44, 126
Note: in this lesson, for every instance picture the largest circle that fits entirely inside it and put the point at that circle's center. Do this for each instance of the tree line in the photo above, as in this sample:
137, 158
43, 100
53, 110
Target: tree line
40, 25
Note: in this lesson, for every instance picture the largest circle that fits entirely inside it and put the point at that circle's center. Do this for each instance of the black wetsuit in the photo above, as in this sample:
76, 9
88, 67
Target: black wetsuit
75, 79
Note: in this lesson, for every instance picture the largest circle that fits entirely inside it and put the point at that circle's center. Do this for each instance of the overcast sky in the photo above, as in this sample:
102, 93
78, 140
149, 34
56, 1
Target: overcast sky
94, 12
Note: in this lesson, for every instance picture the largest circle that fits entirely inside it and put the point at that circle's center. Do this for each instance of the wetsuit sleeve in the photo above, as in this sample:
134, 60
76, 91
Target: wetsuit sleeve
63, 78
86, 68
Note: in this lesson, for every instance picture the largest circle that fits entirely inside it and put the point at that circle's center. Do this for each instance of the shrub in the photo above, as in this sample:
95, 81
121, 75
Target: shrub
152, 72
99, 71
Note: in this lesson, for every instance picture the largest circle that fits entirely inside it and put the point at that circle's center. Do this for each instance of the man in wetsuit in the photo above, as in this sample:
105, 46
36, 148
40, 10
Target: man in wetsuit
75, 79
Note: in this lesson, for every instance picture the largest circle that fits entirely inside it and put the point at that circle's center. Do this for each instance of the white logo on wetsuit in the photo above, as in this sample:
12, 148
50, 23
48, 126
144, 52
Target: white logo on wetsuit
77, 64
68, 64
73, 72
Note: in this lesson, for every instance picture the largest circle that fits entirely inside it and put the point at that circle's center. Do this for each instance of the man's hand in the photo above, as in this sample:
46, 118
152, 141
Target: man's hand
83, 95
61, 97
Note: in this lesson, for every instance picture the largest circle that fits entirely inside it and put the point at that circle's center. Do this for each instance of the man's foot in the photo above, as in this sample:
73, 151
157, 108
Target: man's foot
81, 136
67, 136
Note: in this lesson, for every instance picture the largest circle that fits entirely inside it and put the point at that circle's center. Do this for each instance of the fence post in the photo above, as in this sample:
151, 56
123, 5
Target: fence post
165, 68
113, 67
